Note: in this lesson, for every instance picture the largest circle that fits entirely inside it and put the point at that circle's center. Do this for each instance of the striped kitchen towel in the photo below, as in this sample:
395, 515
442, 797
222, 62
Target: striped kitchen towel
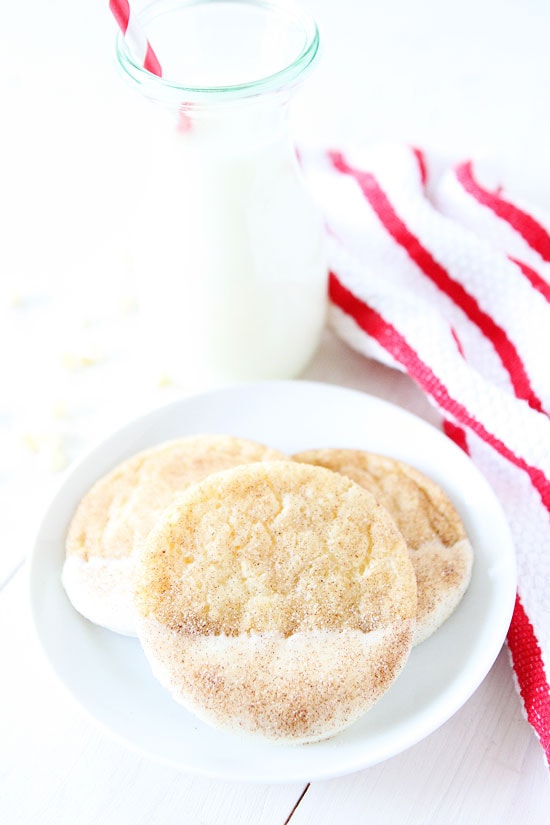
449, 280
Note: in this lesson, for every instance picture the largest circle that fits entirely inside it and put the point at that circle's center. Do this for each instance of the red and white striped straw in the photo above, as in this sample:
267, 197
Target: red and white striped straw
135, 36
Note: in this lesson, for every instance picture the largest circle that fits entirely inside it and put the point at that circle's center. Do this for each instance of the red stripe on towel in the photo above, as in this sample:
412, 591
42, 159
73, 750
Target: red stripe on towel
456, 434
523, 645
421, 160
371, 322
529, 668
424, 260
536, 280
524, 224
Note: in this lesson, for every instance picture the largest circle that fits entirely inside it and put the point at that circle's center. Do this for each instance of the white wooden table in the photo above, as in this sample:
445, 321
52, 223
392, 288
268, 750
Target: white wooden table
470, 78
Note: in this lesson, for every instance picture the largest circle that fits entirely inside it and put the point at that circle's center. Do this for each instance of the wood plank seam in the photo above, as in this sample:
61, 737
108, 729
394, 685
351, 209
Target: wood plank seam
294, 809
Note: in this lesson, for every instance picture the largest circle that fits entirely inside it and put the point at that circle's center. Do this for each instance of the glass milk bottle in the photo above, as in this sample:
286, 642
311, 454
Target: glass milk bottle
228, 245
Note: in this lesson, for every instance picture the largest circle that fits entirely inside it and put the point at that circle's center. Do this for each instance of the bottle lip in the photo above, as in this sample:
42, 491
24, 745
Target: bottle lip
165, 89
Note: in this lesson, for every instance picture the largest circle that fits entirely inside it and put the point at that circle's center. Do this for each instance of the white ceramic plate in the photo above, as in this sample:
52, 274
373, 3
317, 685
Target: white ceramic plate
109, 676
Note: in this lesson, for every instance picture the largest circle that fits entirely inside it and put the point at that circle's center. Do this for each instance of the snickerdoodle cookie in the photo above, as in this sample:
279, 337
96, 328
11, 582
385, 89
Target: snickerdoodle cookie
116, 515
276, 599
439, 548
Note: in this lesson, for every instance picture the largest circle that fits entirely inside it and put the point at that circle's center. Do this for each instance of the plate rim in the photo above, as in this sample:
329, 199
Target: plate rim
421, 731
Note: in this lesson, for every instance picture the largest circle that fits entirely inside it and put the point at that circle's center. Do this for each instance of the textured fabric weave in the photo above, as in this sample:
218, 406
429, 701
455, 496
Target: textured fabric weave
449, 280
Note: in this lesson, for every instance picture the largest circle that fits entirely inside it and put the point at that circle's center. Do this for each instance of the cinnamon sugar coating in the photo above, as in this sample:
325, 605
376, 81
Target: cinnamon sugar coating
116, 515
276, 599
440, 551
120, 508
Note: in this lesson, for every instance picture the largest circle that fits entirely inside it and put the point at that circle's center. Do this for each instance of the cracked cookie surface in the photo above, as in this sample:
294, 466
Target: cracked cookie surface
115, 517
276, 599
440, 551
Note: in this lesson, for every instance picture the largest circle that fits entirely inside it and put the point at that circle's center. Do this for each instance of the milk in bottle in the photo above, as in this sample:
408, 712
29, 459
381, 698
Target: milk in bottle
228, 244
